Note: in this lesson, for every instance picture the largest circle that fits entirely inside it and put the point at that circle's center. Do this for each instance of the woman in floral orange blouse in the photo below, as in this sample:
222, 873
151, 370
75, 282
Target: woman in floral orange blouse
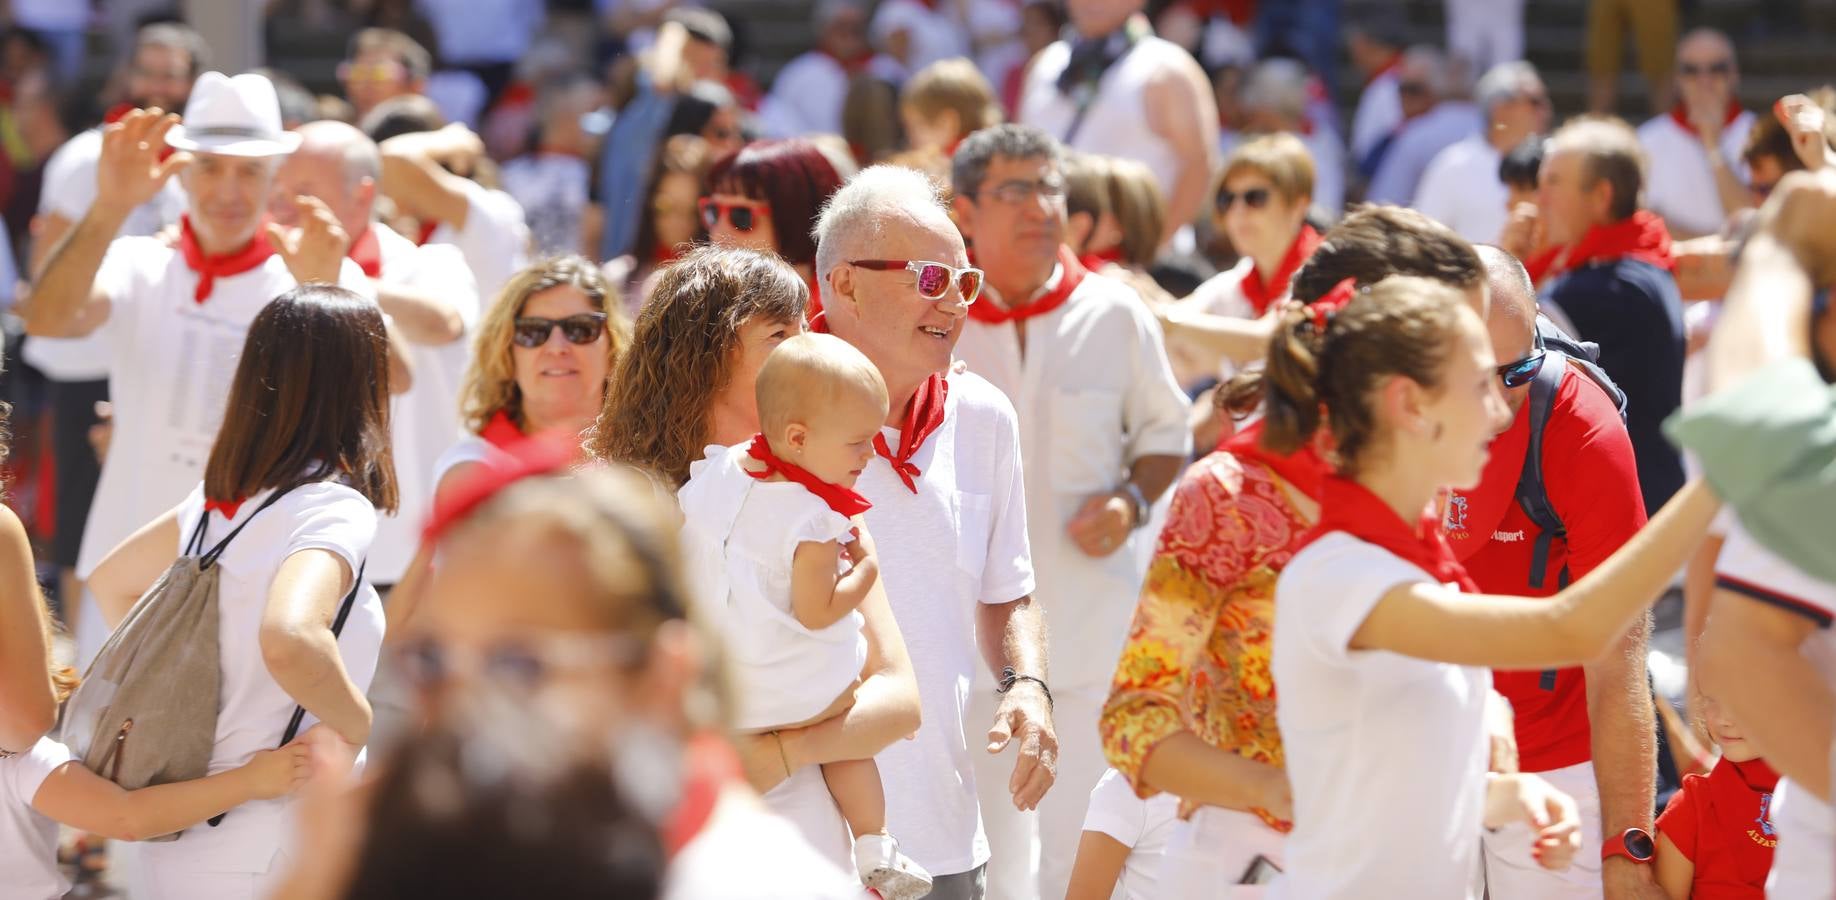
1192, 708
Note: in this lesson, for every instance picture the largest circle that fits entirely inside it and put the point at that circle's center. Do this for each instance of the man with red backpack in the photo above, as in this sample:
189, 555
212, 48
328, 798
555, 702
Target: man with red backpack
1559, 495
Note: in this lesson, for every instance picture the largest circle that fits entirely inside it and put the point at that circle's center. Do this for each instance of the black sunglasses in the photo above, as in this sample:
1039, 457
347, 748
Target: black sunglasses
1691, 70
1254, 198
742, 216
532, 332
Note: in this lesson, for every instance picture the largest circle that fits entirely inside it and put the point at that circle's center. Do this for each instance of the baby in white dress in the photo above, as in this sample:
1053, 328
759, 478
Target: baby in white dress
772, 537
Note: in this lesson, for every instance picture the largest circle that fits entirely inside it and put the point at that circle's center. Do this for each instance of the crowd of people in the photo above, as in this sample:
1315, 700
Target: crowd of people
512, 477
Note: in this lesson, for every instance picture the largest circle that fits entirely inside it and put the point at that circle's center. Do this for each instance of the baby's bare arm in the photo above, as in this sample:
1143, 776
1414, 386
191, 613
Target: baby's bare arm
819, 597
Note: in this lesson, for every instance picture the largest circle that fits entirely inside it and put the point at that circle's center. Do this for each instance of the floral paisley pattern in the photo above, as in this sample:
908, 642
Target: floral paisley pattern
1198, 651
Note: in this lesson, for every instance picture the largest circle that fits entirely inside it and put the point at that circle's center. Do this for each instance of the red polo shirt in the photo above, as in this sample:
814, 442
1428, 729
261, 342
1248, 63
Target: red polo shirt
1592, 481
1722, 822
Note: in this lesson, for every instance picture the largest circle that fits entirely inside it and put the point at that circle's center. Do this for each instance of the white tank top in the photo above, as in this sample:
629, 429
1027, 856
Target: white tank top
1116, 122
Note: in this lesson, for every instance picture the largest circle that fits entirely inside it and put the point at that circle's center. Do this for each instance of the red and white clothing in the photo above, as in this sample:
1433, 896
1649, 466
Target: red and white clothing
1722, 823
424, 421
1094, 392
1806, 826
495, 239
959, 540
1379, 112
171, 360
933, 32
28, 840
1679, 183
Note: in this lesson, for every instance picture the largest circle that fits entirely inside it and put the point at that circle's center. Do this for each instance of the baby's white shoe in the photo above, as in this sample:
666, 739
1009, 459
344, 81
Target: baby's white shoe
887, 871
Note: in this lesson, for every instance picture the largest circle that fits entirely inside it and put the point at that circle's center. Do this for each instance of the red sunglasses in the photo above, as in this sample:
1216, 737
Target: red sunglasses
742, 216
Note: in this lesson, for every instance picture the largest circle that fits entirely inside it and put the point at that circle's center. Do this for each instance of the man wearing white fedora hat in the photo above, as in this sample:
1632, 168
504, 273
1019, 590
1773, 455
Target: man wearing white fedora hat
174, 312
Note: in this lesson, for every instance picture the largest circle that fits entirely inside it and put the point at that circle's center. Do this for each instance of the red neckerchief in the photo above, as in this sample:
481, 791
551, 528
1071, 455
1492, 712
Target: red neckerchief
1303, 468
210, 268
1680, 115
500, 432
1640, 236
853, 65
427, 230
1263, 290
1346, 505
366, 252
924, 414
543, 454
1391, 66
840, 499
709, 766
664, 254
1069, 278
815, 307
1096, 261
226, 507
1474, 514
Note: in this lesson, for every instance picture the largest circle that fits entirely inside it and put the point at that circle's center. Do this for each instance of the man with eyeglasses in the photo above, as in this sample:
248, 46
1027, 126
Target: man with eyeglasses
949, 520
383, 64
1696, 178
1103, 431
1585, 730
1461, 187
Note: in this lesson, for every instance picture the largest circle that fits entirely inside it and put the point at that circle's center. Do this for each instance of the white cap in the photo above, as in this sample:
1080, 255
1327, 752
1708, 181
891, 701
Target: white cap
237, 116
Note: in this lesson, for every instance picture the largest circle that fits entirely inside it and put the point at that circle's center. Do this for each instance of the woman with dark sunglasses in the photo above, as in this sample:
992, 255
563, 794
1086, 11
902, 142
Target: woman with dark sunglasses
765, 197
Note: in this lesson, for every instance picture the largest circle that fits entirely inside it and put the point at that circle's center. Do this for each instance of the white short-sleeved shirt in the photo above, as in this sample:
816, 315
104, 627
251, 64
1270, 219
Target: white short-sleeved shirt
252, 709
1378, 114
1418, 141
69, 190
424, 421
1801, 866
1094, 392
1386, 753
1461, 189
738, 538
171, 361
495, 239
1143, 826
805, 98
28, 841
1115, 123
1679, 184
935, 34
960, 541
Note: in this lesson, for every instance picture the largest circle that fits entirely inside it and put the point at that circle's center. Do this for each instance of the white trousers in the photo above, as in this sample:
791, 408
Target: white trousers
1031, 852
1511, 873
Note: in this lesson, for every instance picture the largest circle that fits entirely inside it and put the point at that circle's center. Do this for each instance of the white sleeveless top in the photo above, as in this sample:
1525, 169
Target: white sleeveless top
1116, 123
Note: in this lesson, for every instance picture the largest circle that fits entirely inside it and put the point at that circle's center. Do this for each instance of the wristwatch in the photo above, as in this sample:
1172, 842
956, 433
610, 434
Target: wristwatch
1634, 844
1137, 500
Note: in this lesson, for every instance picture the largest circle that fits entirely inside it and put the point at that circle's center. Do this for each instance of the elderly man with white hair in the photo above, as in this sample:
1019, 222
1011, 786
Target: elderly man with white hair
949, 520
1695, 178
1461, 188
1275, 99
1432, 122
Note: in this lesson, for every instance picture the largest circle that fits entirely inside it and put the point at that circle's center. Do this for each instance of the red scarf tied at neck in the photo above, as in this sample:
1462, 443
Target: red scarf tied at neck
1641, 236
1680, 115
1071, 274
501, 432
210, 268
1262, 290
924, 414
840, 499
1346, 505
366, 252
1304, 469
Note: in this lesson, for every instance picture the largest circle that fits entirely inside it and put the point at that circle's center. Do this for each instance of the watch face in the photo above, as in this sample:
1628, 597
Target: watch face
1639, 844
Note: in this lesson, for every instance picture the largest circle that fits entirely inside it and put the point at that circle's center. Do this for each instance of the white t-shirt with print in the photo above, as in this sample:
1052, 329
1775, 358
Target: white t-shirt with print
424, 421
28, 841
252, 709
1801, 865
1094, 393
171, 362
495, 239
69, 190
739, 536
1386, 753
1679, 183
1142, 826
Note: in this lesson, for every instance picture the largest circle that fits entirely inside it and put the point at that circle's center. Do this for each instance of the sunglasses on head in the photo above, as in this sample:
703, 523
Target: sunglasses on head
934, 278
1694, 70
742, 216
1522, 372
1254, 198
532, 331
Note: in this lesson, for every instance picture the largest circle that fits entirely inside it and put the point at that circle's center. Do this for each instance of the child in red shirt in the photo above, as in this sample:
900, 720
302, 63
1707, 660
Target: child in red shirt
1715, 839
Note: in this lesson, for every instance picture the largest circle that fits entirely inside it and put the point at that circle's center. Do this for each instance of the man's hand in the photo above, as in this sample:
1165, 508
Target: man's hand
1804, 121
1523, 231
1624, 879
1102, 524
1024, 713
129, 171
315, 250
1708, 126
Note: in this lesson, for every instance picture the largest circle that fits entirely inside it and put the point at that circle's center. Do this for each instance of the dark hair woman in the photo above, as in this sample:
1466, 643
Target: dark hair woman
766, 197
300, 468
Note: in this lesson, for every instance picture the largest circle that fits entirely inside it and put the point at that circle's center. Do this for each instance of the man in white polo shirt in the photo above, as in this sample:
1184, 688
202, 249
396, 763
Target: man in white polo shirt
1102, 433
429, 295
1696, 179
175, 314
948, 518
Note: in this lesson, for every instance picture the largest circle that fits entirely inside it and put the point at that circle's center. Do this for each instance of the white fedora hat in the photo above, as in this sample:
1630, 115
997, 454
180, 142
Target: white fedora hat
237, 116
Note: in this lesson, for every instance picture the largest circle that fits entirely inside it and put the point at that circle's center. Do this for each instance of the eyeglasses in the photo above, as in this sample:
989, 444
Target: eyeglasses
523, 662
532, 332
934, 278
742, 216
1719, 69
1254, 198
1522, 372
1014, 193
